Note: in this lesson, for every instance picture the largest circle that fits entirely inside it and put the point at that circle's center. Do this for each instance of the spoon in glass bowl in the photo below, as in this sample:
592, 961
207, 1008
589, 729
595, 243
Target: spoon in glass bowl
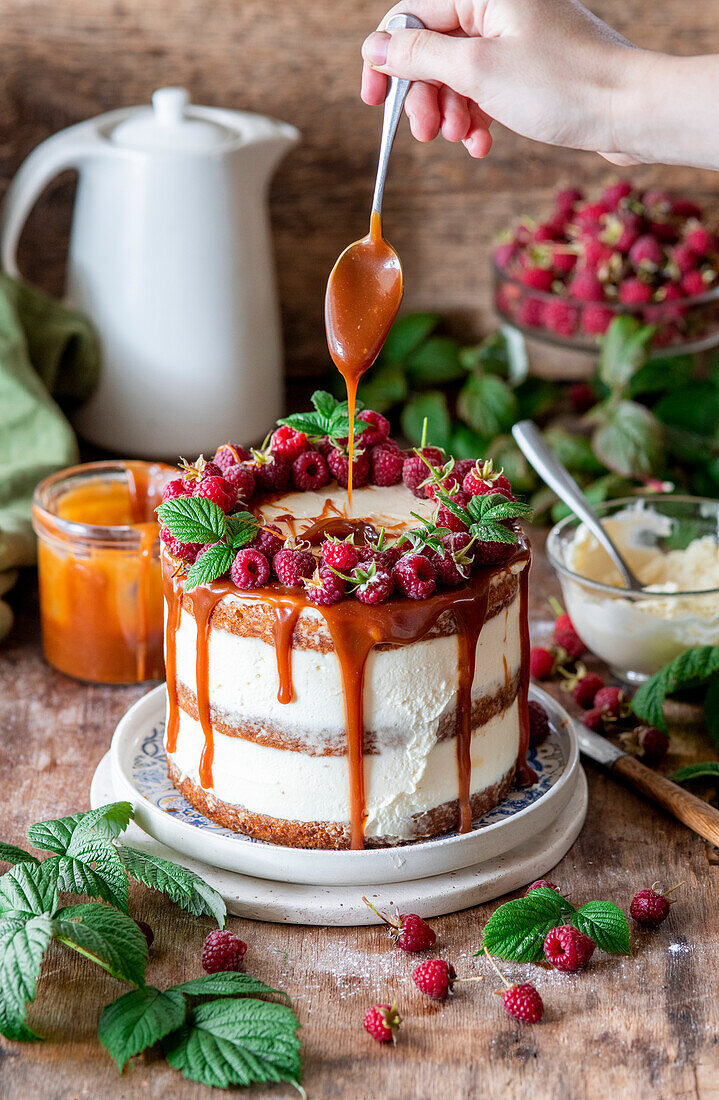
531, 443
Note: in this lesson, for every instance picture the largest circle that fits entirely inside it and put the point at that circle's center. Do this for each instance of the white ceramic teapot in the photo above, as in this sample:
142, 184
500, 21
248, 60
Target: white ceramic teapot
171, 257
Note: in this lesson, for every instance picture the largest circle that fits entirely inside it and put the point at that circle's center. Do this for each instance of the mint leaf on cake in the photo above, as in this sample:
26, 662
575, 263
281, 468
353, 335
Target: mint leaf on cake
193, 519
330, 418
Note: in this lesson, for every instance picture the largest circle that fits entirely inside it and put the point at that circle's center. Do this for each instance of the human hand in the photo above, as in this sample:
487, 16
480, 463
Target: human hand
547, 69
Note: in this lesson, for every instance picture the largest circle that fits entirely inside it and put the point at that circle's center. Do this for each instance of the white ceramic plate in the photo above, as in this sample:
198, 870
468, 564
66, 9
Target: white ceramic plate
139, 775
342, 906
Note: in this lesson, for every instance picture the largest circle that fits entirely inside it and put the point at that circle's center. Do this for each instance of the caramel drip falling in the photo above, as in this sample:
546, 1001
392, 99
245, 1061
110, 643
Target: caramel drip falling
283, 627
173, 598
526, 776
204, 602
470, 621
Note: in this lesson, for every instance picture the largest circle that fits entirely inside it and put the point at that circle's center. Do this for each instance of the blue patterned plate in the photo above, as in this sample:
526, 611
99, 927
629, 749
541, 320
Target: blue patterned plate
139, 770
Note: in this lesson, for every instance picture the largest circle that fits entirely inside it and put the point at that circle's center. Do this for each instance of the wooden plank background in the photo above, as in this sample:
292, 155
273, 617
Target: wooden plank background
62, 62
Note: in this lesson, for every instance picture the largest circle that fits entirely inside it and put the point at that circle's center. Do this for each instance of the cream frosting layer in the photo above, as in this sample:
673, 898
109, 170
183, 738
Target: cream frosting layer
399, 783
408, 688
387, 506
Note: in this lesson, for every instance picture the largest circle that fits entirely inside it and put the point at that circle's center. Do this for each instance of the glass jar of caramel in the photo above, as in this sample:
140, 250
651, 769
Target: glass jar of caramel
101, 602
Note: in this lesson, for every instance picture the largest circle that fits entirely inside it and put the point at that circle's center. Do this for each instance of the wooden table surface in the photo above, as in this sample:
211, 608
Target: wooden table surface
644, 1026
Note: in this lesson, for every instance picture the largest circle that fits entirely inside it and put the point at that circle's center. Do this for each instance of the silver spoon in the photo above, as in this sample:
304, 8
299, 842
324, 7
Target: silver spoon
530, 441
393, 105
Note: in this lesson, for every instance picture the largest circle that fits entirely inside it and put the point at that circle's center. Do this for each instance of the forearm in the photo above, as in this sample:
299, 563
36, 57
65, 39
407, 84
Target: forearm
666, 110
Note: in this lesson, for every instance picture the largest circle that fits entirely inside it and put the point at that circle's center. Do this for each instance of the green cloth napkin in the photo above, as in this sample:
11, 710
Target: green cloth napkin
49, 357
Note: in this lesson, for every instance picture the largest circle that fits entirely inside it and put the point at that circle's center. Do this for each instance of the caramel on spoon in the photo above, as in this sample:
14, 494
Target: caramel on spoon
365, 286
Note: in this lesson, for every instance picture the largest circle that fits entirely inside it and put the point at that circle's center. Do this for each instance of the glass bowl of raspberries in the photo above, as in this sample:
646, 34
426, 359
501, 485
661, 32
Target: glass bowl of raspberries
645, 253
672, 544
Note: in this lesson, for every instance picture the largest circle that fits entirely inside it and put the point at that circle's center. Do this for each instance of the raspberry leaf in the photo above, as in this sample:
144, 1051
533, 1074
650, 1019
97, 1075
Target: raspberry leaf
690, 669
106, 937
97, 874
138, 1020
625, 348
29, 890
225, 983
237, 1042
57, 835
9, 853
184, 887
708, 769
241, 529
193, 519
629, 440
211, 565
605, 924
518, 928
23, 941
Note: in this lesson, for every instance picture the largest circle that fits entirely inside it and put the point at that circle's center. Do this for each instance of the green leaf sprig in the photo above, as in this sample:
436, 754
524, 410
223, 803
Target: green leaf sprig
330, 418
486, 516
516, 930
233, 1039
86, 860
695, 668
195, 519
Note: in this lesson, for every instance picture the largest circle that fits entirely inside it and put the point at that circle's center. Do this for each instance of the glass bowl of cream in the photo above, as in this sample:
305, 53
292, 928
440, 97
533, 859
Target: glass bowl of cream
672, 545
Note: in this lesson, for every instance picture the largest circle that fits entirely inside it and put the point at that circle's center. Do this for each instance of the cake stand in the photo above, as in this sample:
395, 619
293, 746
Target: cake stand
520, 840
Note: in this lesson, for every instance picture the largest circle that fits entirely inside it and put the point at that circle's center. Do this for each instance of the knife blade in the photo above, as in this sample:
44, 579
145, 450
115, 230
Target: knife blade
698, 816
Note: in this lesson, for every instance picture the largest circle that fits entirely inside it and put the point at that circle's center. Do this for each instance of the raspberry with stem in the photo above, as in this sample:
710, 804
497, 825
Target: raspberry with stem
409, 931
521, 1002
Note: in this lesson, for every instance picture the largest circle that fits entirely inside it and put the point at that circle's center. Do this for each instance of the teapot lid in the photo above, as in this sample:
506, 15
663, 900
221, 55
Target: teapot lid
167, 126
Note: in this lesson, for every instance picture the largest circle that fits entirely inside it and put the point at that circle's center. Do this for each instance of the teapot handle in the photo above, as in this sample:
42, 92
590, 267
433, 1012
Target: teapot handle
66, 149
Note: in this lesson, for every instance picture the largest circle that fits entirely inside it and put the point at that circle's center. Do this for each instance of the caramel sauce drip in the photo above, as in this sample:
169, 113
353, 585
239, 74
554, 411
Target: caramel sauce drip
173, 597
526, 776
355, 629
363, 296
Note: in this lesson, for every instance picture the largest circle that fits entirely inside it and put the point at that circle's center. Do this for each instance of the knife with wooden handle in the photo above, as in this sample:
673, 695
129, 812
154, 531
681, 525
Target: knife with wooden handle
698, 816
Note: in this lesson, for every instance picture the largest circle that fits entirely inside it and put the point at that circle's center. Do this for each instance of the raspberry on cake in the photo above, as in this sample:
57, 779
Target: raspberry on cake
345, 675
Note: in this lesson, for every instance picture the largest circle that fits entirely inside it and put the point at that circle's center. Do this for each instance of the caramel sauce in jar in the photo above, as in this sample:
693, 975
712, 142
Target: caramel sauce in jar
101, 604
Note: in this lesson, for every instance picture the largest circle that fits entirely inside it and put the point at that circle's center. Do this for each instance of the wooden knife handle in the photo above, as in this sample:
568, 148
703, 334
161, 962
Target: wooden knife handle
687, 808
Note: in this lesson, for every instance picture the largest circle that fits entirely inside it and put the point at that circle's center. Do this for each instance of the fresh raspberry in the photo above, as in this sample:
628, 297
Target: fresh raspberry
615, 192
492, 553
593, 719
447, 519
324, 587
586, 688
566, 200
663, 230
567, 638
592, 213
377, 427
538, 278
646, 742
622, 231
634, 292
541, 662
250, 569
287, 442
586, 287
582, 397
414, 470
560, 316
544, 232
187, 551
455, 565
272, 473
410, 931
210, 469
386, 465
230, 454
222, 950
310, 471
523, 1003
611, 701
531, 312
339, 554
443, 478
291, 566
683, 259
693, 284
658, 202
339, 464
563, 261
597, 259
415, 576
482, 479
434, 977
665, 308
541, 883
373, 584
178, 487
384, 559
218, 490
596, 320
685, 208
538, 723
650, 907
269, 541
504, 254
646, 254
147, 932
699, 240
566, 948
242, 478
382, 1022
